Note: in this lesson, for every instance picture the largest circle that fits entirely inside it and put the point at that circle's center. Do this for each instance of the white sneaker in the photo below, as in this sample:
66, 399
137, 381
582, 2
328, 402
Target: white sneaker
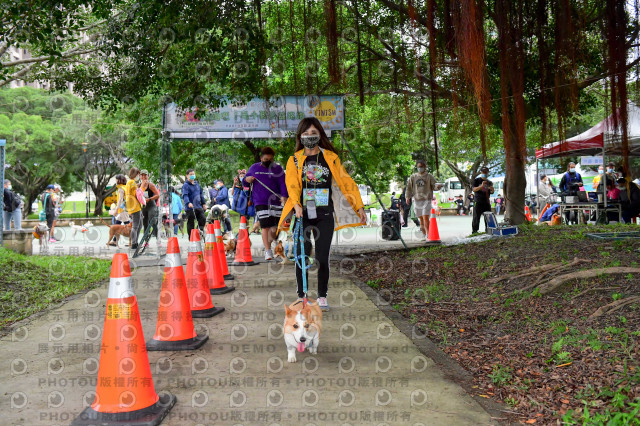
268, 255
323, 304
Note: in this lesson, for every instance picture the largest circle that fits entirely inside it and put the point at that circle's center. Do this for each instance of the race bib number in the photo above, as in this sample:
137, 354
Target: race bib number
320, 195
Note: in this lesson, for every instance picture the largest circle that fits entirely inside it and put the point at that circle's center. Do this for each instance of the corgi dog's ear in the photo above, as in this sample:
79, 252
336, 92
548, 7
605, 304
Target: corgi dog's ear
287, 310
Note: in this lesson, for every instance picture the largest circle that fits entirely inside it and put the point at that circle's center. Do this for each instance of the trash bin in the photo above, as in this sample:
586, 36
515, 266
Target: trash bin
391, 225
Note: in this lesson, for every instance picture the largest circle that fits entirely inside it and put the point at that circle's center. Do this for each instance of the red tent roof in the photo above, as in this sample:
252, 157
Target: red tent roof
591, 141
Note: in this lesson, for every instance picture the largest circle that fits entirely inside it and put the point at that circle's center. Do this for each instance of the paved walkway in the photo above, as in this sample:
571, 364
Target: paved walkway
366, 370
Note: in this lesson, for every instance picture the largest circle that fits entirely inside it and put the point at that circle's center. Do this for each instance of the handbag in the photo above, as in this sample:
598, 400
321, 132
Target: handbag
140, 197
42, 215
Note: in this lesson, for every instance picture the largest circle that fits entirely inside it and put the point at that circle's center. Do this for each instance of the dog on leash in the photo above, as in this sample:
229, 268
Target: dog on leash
118, 231
41, 233
168, 229
302, 327
82, 229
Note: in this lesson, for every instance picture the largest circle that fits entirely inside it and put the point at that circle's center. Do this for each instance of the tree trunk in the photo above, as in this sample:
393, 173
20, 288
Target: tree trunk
515, 182
99, 201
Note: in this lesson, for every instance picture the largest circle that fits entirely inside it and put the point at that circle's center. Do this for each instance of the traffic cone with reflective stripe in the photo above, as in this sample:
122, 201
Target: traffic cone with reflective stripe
527, 213
221, 254
214, 270
174, 328
243, 246
434, 235
125, 393
196, 279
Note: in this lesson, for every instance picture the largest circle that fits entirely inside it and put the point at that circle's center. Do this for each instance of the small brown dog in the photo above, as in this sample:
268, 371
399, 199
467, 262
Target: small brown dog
118, 231
278, 251
230, 247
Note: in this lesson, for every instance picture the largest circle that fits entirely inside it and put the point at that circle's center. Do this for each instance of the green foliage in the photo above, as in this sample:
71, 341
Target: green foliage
500, 375
32, 283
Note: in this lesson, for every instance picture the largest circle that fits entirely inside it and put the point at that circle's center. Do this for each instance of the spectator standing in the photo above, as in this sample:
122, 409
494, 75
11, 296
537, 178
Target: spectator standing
222, 199
269, 193
544, 190
120, 217
193, 198
213, 193
482, 188
150, 210
499, 201
631, 200
460, 209
241, 196
404, 206
176, 208
471, 200
12, 209
596, 179
571, 181
56, 195
420, 187
133, 205
49, 207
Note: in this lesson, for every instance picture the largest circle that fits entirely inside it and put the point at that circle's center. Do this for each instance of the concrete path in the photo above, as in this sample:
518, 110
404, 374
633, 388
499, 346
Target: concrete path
366, 371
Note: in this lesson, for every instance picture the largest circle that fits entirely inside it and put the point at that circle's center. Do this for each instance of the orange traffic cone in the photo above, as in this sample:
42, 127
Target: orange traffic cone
243, 246
221, 253
125, 391
196, 278
174, 328
434, 235
527, 213
214, 268
546, 207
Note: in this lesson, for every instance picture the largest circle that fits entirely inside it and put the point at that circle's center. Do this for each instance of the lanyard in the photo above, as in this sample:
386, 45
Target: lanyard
268, 189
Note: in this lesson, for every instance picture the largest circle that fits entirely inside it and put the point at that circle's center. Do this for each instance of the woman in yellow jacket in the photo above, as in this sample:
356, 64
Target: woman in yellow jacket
133, 205
323, 195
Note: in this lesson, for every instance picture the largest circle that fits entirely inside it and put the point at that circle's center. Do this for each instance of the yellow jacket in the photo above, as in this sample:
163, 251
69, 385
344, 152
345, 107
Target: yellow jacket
133, 205
344, 191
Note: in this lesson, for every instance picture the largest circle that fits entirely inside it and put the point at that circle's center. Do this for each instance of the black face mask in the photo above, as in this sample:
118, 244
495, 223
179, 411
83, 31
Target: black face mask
267, 163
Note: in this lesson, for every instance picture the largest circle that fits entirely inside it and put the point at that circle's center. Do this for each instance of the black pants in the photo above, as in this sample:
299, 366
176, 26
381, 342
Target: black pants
150, 214
478, 209
192, 215
405, 214
322, 231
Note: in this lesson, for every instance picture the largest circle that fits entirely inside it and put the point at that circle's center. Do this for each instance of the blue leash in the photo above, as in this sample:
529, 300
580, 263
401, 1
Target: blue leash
301, 260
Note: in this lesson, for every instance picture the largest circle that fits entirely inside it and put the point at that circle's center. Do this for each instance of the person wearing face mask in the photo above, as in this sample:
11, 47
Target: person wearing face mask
11, 208
133, 205
544, 191
322, 195
269, 193
596, 179
482, 189
193, 198
571, 181
222, 198
420, 187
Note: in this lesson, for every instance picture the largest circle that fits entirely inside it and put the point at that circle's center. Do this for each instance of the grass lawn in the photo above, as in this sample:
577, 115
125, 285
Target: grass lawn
29, 284
566, 354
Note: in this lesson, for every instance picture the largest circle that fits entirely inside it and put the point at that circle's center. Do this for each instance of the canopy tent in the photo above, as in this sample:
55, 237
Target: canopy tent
600, 139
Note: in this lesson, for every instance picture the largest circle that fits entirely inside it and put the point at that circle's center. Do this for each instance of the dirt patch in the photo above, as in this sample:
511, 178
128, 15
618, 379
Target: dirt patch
551, 347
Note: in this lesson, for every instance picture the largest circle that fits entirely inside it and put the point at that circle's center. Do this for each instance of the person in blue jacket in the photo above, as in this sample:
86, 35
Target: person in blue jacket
176, 208
222, 198
193, 197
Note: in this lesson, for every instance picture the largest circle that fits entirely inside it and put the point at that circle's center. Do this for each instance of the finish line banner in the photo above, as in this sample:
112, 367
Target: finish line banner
256, 119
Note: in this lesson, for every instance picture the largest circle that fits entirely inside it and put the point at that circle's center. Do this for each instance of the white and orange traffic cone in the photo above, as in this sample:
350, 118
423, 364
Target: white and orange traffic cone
174, 328
196, 279
243, 246
214, 268
221, 254
125, 393
434, 235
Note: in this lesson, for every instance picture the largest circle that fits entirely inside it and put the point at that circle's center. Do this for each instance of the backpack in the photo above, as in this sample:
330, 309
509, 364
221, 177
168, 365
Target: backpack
42, 216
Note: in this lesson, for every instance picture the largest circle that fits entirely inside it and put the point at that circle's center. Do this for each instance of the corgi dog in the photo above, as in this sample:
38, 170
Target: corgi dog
302, 327
230, 246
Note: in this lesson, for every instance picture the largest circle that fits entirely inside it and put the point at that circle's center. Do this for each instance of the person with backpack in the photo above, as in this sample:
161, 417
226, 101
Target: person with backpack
241, 196
49, 209
193, 202
12, 208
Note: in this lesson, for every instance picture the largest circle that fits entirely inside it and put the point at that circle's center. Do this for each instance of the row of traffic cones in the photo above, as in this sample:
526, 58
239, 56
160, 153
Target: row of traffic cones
132, 398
